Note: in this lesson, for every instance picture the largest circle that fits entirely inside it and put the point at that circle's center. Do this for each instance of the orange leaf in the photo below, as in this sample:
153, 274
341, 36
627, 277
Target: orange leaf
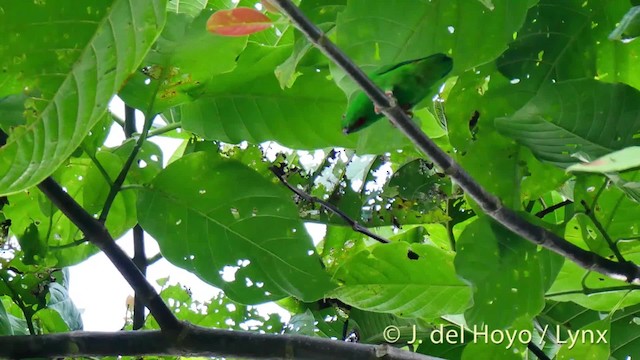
269, 6
238, 22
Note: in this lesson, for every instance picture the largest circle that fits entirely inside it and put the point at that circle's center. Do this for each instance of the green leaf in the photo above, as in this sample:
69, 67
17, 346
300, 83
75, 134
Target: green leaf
494, 161
180, 63
95, 189
419, 182
90, 51
420, 28
586, 343
5, 323
12, 111
33, 245
59, 301
620, 160
578, 116
50, 321
508, 273
384, 279
225, 217
371, 327
147, 164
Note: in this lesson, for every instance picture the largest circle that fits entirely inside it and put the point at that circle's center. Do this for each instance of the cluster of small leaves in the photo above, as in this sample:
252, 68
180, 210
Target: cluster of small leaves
541, 107
219, 312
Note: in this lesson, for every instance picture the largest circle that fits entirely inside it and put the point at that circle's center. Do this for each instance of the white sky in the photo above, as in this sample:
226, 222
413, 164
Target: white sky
98, 289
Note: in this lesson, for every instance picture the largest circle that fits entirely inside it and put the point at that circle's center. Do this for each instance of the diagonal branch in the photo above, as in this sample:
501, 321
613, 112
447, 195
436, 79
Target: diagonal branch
196, 341
97, 233
328, 206
489, 203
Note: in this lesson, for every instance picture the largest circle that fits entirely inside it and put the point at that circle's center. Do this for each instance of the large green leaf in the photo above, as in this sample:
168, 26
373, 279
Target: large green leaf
386, 279
248, 104
508, 273
372, 32
60, 302
74, 58
225, 217
590, 342
571, 117
497, 163
625, 337
86, 184
182, 61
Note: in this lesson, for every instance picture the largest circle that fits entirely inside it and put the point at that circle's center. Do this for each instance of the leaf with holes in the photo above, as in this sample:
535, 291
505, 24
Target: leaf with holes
238, 22
385, 279
232, 228
75, 58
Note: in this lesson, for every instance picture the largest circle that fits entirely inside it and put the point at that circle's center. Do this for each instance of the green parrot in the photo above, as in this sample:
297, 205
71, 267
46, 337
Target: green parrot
409, 82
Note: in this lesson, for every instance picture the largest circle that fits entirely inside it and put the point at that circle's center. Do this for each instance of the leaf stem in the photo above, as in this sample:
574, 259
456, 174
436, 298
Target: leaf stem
164, 129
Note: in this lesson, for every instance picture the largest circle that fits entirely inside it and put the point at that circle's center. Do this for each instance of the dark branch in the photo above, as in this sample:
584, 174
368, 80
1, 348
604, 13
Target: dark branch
354, 224
196, 341
490, 204
97, 233
552, 208
139, 256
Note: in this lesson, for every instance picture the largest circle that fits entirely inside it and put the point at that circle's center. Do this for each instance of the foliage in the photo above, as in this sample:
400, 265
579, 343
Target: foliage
541, 108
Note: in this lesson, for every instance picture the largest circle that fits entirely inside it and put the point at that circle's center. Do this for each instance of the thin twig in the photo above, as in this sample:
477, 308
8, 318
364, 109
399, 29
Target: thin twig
69, 245
603, 232
152, 260
97, 233
354, 224
544, 212
98, 165
489, 203
164, 129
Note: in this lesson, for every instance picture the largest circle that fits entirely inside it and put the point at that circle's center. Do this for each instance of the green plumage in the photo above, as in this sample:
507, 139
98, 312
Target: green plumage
409, 81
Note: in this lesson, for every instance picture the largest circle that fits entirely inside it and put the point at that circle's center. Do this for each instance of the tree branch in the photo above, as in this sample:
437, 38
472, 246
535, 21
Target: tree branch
330, 207
97, 233
139, 256
196, 341
490, 204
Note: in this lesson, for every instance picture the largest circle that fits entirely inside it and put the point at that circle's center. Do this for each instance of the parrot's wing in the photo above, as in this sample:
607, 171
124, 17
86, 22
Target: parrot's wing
388, 68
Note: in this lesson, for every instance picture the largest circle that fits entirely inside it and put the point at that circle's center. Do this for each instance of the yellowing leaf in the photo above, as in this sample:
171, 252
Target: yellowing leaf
238, 22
